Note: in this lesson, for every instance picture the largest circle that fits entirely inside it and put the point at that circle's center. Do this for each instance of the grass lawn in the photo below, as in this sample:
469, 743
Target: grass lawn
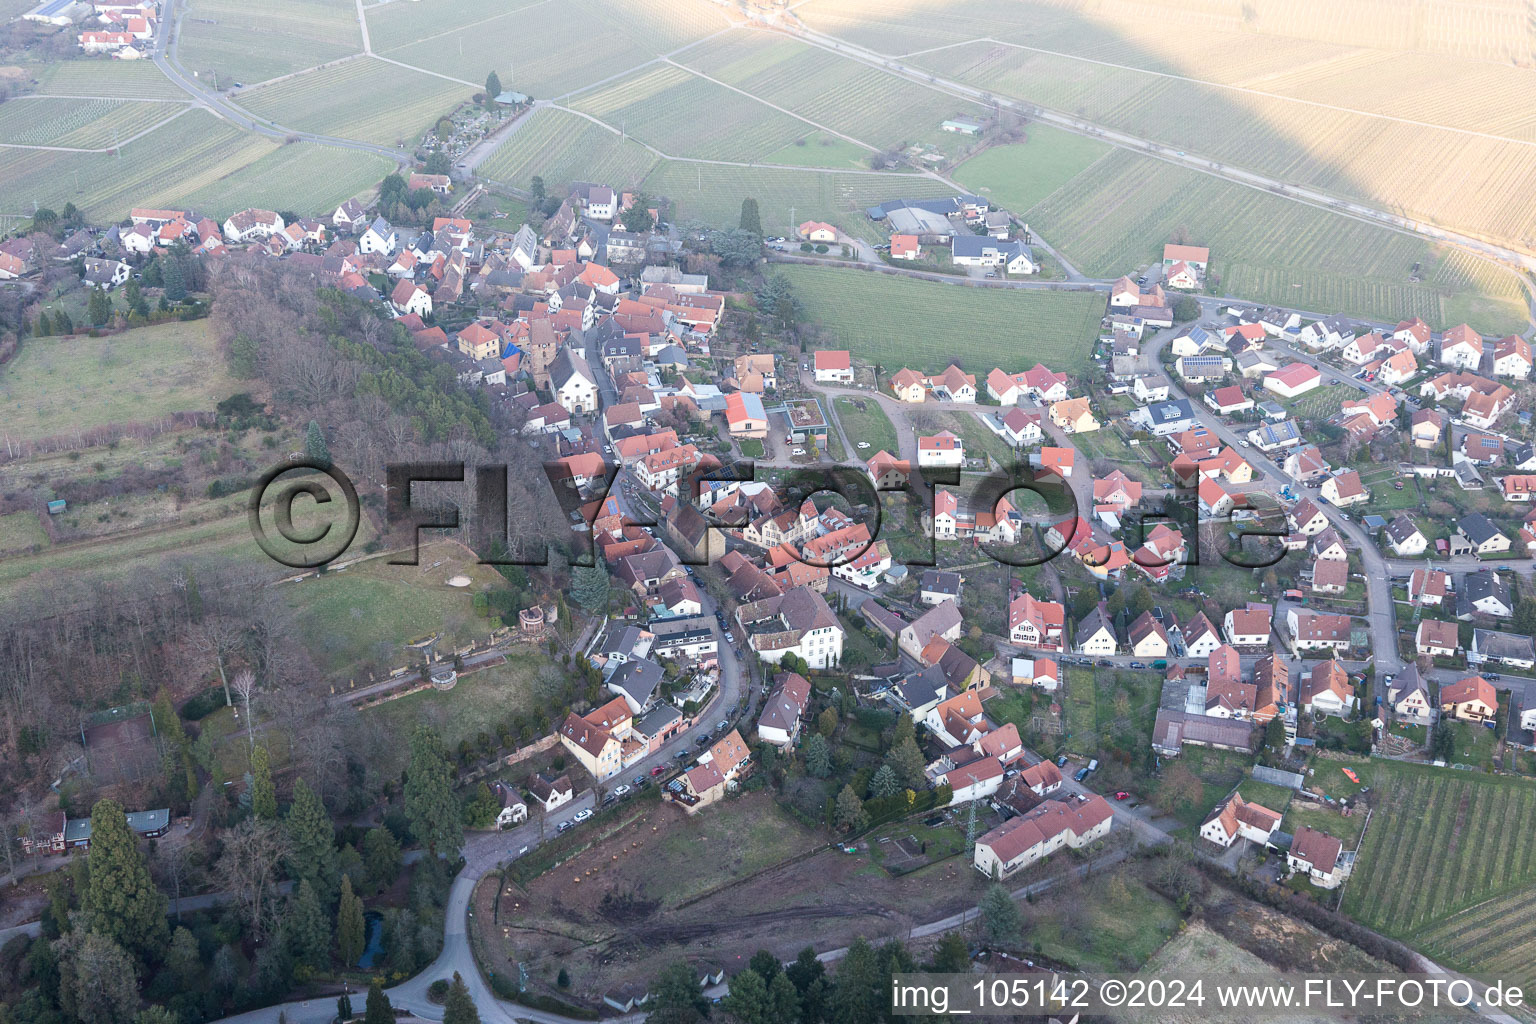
1080, 710
751, 447
926, 325
864, 420
1325, 819
1474, 745
1217, 770
1118, 928
1014, 704
978, 438
818, 149
1018, 176
20, 531
1266, 794
477, 702
135, 376
368, 612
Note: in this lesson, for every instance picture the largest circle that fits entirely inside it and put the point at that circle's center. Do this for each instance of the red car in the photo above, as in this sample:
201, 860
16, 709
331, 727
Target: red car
1122, 795
658, 770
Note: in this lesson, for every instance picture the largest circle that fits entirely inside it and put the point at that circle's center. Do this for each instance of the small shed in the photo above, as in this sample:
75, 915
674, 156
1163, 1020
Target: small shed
56, 506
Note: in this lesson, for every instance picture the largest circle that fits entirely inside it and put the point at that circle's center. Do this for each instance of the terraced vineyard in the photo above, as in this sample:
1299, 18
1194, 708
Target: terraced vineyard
713, 194
1117, 214
876, 107
1463, 837
685, 115
563, 147
161, 169
367, 100
79, 124
218, 35
901, 322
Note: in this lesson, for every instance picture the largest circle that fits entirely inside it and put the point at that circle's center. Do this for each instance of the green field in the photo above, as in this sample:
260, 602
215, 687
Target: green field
477, 703
80, 124
1018, 176
684, 115
1117, 214
1080, 709
542, 49
818, 149
217, 35
901, 322
158, 170
367, 613
1495, 938
562, 147
20, 531
869, 424
1464, 836
366, 100
712, 194
133, 377
102, 76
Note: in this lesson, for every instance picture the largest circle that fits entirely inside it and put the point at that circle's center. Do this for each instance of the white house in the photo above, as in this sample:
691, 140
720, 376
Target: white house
571, 379
984, 251
834, 367
941, 449
380, 237
1020, 842
779, 724
1235, 818
409, 297
251, 224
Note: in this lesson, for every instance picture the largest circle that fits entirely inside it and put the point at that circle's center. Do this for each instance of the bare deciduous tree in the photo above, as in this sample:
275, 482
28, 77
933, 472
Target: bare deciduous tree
248, 868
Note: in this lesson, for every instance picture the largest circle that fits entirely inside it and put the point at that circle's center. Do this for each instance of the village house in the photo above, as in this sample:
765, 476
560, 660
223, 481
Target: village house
1248, 627
1472, 699
941, 449
1481, 535
1461, 347
833, 367
942, 620
1408, 696
1404, 537
1037, 624
1428, 587
1317, 631
1318, 856
1096, 633
1021, 841
909, 386
779, 723
1235, 818
1436, 639
1326, 689
1294, 380
797, 622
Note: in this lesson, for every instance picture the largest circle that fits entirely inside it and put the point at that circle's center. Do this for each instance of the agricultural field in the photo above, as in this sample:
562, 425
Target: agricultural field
684, 115
1466, 835
534, 47
80, 124
1494, 938
160, 169
136, 376
1018, 176
367, 100
864, 420
876, 107
217, 35
562, 147
107, 78
1117, 214
21, 531
712, 194
818, 149
306, 177
897, 322
367, 613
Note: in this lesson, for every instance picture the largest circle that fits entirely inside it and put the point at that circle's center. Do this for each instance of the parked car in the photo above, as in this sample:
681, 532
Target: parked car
1122, 795
1082, 773
703, 741
565, 826
639, 780
582, 815
658, 770
1061, 761
621, 790
721, 725
1093, 765
797, 451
